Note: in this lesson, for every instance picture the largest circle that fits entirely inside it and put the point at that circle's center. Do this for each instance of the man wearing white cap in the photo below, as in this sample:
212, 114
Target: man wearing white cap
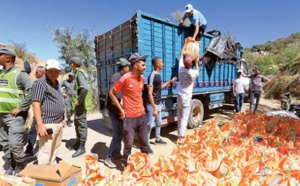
48, 109
198, 21
15, 100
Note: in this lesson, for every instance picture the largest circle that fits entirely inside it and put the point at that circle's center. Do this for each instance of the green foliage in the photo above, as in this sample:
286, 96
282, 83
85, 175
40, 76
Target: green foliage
279, 44
70, 46
81, 46
177, 16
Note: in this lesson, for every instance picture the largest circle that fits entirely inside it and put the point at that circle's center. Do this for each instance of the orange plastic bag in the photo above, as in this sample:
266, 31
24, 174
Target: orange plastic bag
191, 47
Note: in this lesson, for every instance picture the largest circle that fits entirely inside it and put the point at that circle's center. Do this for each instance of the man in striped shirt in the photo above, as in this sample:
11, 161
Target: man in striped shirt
48, 109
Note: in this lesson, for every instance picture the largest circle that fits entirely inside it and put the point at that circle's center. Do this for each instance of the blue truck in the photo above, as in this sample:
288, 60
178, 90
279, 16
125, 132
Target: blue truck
157, 37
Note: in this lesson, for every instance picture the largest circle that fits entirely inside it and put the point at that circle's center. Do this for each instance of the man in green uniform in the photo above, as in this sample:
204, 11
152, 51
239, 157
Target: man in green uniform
68, 91
15, 100
78, 103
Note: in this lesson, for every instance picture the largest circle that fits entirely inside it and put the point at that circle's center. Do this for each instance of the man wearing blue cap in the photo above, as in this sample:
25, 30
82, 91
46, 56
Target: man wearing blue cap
257, 82
114, 115
68, 90
15, 100
198, 21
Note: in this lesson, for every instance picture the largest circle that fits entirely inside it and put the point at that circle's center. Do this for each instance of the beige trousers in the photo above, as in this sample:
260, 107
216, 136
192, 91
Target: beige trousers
49, 145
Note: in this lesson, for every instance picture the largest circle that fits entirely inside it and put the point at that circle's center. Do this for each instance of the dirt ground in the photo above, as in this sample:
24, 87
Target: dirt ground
99, 136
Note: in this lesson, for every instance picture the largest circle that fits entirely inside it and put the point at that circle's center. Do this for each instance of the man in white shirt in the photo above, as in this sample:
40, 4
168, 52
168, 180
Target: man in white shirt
238, 91
187, 76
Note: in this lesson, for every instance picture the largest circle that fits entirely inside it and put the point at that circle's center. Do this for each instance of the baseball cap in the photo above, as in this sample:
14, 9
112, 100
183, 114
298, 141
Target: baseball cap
6, 50
188, 8
76, 60
256, 68
122, 62
52, 63
135, 57
243, 60
239, 70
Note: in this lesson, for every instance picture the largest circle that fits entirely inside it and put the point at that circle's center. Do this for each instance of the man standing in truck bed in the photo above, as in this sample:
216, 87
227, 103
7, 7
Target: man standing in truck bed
135, 119
198, 21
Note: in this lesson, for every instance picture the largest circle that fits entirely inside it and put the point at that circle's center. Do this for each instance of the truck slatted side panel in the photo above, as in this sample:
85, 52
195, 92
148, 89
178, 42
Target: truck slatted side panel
156, 37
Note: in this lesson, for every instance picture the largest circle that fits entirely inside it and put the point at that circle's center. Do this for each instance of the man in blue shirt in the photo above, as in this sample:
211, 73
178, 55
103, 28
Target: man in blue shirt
198, 21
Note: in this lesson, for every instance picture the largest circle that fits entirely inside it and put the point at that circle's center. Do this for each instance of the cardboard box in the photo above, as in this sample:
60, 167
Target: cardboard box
54, 175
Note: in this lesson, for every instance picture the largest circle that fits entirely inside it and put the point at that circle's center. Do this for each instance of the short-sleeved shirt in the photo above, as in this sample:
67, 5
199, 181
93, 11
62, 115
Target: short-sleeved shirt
186, 81
113, 109
196, 18
154, 80
51, 98
69, 89
131, 88
239, 88
256, 82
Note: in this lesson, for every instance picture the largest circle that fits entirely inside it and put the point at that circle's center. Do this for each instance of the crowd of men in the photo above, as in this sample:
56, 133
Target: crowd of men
47, 99
53, 103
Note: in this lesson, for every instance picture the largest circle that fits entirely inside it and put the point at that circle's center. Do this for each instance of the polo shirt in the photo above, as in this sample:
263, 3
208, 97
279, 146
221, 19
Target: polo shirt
51, 98
131, 88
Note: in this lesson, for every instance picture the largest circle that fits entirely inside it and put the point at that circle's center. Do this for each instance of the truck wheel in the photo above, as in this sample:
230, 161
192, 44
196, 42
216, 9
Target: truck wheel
196, 114
106, 119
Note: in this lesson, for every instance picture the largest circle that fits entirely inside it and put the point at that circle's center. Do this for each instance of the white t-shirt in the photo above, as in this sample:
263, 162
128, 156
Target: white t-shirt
239, 88
186, 82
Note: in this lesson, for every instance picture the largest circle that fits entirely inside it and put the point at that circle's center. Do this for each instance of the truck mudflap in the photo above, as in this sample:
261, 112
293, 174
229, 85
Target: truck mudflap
216, 100
215, 104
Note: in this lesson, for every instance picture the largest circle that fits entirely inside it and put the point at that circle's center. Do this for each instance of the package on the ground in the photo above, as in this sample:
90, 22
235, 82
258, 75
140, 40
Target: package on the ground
54, 175
191, 47
16, 181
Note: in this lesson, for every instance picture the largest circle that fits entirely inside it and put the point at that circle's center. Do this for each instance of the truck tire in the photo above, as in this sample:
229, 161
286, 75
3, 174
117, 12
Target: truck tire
196, 115
106, 118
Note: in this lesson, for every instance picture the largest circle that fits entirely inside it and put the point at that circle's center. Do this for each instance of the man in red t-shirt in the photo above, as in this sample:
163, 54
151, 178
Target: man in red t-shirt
133, 112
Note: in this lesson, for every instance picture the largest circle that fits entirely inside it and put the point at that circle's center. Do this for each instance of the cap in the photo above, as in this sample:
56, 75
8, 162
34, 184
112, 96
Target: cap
256, 68
122, 62
135, 57
188, 8
243, 60
52, 63
6, 50
76, 60
239, 70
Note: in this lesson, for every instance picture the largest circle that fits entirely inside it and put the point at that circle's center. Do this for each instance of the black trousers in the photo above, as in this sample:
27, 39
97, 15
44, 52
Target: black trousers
135, 125
202, 29
253, 95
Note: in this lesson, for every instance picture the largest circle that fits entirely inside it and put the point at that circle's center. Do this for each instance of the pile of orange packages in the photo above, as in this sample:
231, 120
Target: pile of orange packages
251, 149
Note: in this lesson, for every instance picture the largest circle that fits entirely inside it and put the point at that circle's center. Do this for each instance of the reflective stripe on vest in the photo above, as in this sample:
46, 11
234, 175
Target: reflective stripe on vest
10, 95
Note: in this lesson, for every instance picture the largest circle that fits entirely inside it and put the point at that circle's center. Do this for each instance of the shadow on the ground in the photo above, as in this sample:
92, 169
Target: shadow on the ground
69, 143
98, 126
101, 149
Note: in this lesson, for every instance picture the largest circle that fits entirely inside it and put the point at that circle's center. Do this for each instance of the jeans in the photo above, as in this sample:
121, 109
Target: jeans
183, 112
131, 126
257, 95
115, 144
239, 100
154, 121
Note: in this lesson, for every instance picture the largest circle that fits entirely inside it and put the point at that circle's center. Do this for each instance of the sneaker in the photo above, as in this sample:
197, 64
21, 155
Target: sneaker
160, 142
109, 163
150, 151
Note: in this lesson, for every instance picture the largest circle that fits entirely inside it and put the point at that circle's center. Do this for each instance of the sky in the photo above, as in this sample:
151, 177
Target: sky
250, 22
